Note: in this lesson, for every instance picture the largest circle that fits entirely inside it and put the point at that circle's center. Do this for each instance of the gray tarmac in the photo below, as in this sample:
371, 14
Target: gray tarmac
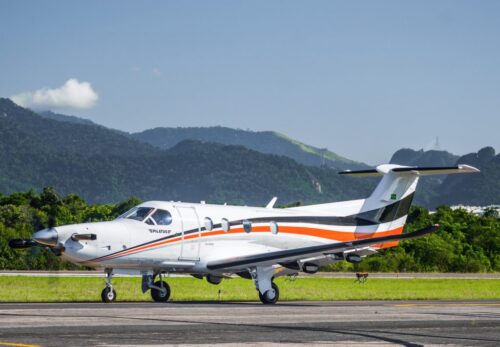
379, 323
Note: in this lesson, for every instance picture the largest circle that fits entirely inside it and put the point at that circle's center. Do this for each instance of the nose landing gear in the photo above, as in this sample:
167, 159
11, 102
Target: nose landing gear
108, 294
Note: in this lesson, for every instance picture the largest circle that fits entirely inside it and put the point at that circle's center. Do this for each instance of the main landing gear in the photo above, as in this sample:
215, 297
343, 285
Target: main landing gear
160, 290
268, 290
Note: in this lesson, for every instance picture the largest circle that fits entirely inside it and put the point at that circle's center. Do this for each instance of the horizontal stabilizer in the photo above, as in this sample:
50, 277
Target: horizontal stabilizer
417, 170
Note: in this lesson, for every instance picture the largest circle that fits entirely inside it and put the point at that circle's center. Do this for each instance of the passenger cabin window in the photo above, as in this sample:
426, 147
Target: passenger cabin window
274, 227
247, 226
139, 213
209, 225
225, 224
162, 217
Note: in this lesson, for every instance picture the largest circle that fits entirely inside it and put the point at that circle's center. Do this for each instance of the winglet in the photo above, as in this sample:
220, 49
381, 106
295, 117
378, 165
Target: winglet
272, 202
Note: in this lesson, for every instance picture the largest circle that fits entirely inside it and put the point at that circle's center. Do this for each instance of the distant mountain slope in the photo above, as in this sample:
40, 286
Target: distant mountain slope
104, 166
65, 118
428, 186
469, 189
263, 141
476, 189
410, 157
81, 139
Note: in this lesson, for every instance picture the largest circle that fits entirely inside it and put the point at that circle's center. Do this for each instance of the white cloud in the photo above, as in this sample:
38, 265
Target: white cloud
72, 94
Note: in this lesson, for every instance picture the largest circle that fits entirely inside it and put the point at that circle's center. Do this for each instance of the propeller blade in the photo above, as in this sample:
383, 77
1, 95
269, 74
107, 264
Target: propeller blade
22, 243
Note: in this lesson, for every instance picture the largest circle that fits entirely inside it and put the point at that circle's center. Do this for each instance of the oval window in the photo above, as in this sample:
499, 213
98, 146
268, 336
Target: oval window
225, 224
274, 227
209, 225
247, 226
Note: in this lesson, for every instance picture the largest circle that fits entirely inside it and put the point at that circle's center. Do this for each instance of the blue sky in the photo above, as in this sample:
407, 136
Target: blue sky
362, 78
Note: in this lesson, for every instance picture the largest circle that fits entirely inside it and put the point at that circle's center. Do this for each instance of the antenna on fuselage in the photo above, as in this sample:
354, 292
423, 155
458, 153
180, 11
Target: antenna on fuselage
272, 202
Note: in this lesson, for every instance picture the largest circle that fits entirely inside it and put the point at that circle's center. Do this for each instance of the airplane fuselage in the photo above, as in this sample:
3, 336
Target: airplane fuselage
199, 233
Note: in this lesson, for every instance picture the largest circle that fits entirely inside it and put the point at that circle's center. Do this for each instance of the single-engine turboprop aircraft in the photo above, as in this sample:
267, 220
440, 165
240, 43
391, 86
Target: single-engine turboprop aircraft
258, 243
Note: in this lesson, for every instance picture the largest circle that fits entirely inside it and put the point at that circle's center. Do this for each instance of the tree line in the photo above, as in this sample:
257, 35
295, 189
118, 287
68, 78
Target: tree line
464, 243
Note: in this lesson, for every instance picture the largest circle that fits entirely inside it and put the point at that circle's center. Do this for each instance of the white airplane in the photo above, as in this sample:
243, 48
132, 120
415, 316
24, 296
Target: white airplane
216, 241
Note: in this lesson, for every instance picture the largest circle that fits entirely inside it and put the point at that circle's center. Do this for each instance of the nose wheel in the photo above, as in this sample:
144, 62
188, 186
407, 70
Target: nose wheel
108, 294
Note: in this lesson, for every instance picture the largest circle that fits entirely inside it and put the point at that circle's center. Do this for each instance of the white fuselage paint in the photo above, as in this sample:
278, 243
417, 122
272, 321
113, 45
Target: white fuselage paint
186, 245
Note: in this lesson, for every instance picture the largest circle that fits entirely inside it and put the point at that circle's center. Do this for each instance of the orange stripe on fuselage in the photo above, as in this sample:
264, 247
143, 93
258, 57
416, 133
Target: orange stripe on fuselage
341, 236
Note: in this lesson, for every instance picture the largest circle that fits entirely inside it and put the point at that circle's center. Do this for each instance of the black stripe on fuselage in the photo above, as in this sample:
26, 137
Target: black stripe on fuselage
384, 214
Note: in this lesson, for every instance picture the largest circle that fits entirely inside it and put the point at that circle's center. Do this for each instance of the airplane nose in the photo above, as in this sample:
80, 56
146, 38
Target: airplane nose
47, 237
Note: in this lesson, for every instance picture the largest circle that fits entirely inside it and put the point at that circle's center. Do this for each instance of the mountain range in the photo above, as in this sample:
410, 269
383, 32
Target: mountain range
269, 142
217, 164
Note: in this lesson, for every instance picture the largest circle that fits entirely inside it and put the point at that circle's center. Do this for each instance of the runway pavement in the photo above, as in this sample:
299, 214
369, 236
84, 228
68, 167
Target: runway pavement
379, 323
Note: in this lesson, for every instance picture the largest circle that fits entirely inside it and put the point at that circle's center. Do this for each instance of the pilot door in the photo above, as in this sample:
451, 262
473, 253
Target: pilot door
190, 223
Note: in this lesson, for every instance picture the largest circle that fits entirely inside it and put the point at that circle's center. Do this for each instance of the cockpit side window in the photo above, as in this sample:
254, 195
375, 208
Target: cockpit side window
162, 217
140, 213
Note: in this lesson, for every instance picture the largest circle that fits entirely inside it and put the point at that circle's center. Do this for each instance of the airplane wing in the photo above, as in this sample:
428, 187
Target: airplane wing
270, 258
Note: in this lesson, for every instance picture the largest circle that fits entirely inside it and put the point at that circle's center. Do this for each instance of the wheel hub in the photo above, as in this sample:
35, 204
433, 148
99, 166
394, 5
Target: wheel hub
270, 294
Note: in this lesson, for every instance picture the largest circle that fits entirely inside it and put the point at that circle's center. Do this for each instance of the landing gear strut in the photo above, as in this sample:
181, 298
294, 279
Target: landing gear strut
160, 290
263, 278
108, 294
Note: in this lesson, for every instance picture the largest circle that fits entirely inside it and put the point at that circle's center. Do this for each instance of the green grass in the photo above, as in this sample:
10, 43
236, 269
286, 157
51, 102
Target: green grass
43, 289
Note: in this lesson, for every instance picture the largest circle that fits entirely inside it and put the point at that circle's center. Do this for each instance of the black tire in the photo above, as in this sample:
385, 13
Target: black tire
108, 295
265, 300
158, 295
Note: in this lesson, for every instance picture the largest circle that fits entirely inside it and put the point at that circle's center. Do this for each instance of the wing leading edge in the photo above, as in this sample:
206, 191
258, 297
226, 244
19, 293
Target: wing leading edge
299, 253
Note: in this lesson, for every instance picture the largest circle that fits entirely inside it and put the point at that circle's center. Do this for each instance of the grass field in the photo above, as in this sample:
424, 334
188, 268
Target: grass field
53, 289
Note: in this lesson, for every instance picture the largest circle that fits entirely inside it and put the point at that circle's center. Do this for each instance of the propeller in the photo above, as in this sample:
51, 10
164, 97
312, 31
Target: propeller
22, 243
42, 238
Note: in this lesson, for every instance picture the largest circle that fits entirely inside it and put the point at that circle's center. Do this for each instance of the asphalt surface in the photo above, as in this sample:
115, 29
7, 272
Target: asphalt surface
409, 323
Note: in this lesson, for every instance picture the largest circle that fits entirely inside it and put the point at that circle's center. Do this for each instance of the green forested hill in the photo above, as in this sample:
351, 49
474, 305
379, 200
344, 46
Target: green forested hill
65, 118
428, 187
478, 189
104, 166
410, 157
262, 141
66, 137
472, 189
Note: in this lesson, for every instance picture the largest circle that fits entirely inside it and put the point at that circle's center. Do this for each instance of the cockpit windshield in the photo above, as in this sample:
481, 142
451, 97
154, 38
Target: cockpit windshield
159, 217
138, 213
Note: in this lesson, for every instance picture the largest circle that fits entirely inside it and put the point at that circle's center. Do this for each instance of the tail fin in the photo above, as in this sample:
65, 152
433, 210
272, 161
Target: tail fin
389, 203
399, 182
